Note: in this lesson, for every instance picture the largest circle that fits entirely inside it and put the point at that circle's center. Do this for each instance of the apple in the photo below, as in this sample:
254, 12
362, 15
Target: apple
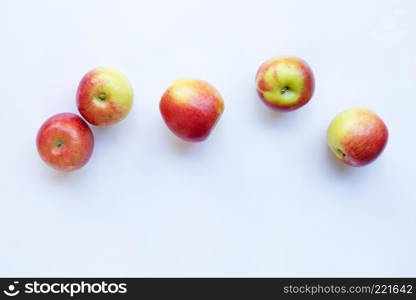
357, 136
285, 83
191, 108
65, 142
104, 96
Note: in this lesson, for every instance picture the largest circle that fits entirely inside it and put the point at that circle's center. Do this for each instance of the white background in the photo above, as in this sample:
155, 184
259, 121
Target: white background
262, 196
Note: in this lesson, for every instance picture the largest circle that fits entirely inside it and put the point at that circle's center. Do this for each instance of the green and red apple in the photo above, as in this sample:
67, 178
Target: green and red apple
357, 136
285, 83
104, 96
191, 108
65, 142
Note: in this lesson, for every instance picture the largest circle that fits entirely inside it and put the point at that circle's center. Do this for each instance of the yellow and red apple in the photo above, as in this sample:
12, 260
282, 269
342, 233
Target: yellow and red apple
285, 83
65, 142
104, 96
191, 108
357, 136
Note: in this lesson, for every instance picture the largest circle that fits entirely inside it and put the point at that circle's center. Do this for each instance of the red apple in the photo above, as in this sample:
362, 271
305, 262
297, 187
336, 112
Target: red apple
104, 96
191, 108
285, 83
357, 136
65, 142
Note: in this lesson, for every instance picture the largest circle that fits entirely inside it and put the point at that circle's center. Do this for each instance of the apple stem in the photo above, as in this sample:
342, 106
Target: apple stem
284, 90
341, 152
101, 96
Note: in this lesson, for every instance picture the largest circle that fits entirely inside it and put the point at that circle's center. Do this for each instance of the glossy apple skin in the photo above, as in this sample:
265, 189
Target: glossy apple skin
357, 136
65, 142
191, 108
285, 83
104, 96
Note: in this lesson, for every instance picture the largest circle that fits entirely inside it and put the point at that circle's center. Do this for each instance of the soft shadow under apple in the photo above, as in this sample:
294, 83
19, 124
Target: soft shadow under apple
268, 114
180, 144
99, 131
59, 176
